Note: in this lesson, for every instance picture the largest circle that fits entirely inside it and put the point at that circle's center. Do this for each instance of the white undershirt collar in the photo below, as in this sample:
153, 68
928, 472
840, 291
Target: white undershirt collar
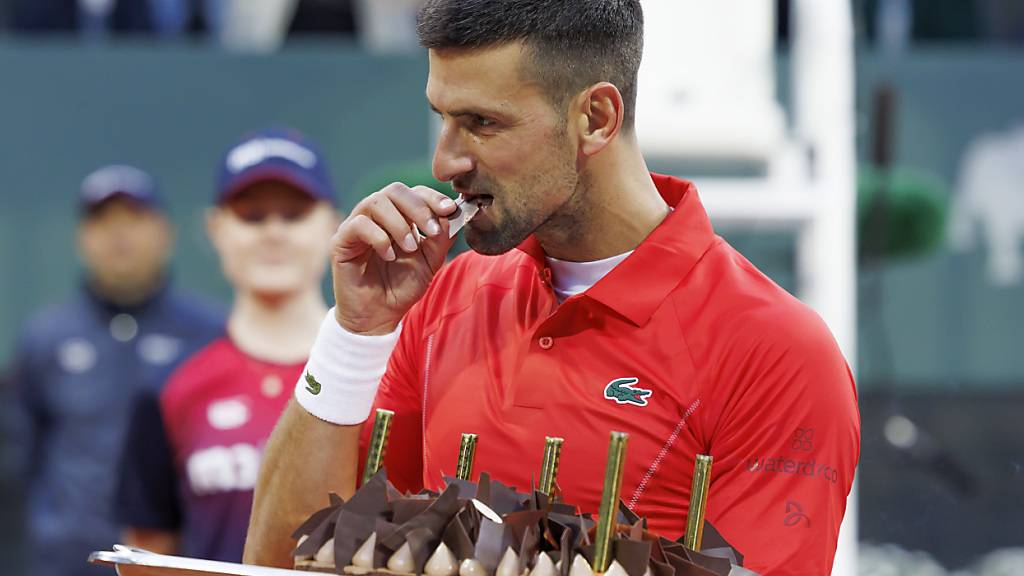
571, 278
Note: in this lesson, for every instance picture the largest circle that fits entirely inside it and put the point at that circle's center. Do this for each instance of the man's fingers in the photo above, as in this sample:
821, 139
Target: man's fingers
421, 205
360, 232
440, 203
387, 215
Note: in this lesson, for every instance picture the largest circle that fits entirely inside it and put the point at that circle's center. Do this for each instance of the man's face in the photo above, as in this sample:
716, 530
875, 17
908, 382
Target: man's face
124, 245
501, 140
272, 239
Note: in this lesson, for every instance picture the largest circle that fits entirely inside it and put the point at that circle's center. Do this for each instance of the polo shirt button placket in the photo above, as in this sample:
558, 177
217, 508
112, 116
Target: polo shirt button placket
546, 342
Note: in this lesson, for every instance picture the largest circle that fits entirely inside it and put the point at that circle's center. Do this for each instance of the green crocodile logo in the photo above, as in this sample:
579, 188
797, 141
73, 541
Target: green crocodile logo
312, 386
621, 390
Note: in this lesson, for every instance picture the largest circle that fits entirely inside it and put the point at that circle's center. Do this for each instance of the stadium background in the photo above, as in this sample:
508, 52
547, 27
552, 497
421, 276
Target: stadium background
938, 341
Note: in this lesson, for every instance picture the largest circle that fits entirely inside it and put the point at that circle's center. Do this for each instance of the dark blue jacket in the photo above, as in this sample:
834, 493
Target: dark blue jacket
76, 371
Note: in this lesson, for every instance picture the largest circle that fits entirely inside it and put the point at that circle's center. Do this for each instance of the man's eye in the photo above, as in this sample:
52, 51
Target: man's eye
483, 122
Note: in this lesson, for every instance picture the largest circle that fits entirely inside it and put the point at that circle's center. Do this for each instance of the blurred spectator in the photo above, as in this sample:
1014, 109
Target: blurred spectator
324, 17
79, 364
943, 20
89, 16
244, 25
173, 18
194, 449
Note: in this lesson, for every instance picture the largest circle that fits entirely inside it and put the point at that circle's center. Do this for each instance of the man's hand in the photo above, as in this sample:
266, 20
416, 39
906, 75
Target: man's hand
381, 264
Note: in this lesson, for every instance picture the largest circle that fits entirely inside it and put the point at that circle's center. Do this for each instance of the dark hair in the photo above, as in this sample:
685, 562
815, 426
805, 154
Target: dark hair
574, 43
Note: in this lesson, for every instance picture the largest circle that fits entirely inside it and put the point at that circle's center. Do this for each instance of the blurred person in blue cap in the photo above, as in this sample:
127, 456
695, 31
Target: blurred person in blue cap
79, 364
194, 447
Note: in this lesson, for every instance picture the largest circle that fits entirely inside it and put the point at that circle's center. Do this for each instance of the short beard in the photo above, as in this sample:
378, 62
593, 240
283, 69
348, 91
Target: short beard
520, 216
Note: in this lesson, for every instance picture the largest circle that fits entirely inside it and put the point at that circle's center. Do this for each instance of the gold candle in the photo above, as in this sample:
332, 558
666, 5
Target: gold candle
698, 502
467, 453
378, 443
609, 510
549, 467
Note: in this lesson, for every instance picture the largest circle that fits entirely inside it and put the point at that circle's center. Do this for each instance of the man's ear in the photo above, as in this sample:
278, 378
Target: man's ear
599, 113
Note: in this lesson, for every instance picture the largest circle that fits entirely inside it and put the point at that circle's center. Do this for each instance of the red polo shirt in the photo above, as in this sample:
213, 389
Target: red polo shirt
684, 345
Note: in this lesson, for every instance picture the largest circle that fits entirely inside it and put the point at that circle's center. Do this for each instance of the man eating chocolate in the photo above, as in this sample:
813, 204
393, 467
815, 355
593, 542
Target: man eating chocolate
596, 297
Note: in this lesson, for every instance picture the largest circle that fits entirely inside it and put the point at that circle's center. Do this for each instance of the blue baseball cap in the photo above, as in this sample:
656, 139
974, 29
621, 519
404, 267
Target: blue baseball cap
119, 180
275, 154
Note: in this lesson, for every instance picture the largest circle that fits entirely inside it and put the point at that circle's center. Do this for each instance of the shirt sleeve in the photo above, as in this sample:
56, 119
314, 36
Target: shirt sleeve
400, 391
785, 448
148, 495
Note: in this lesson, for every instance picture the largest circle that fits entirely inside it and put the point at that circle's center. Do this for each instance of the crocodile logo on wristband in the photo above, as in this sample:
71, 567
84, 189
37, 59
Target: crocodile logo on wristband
312, 386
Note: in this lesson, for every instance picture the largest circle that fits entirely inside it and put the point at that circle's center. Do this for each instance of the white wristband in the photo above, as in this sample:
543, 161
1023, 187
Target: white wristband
344, 369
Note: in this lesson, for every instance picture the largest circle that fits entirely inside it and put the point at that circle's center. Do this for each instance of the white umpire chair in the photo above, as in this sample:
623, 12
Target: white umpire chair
707, 94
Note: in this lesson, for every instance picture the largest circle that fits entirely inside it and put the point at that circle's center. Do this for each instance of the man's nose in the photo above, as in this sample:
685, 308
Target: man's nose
451, 159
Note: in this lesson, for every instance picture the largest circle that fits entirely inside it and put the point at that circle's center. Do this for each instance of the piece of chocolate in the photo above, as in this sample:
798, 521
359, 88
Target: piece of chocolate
464, 212
351, 531
634, 556
528, 547
719, 566
714, 539
371, 499
491, 543
316, 519
319, 536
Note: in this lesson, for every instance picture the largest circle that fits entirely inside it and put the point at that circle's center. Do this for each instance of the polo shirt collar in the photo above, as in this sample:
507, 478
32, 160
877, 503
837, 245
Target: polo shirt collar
637, 287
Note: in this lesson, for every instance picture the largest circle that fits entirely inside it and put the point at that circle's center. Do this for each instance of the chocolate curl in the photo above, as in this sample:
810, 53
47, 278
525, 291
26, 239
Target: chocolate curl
467, 455
528, 547
381, 553
549, 465
662, 569
563, 508
319, 536
657, 553
407, 508
610, 500
589, 551
566, 547
698, 501
434, 518
519, 522
636, 532
724, 553
350, 532
457, 538
491, 544
393, 493
684, 567
719, 566
504, 500
627, 516
422, 543
669, 547
713, 539
378, 443
483, 488
316, 519
467, 489
372, 498
633, 555
541, 500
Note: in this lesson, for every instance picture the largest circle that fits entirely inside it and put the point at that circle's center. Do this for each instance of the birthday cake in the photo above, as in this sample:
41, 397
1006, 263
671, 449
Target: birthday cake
489, 529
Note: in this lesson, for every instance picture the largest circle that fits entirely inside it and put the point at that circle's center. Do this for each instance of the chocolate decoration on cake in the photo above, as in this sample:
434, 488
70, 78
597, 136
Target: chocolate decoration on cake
490, 529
